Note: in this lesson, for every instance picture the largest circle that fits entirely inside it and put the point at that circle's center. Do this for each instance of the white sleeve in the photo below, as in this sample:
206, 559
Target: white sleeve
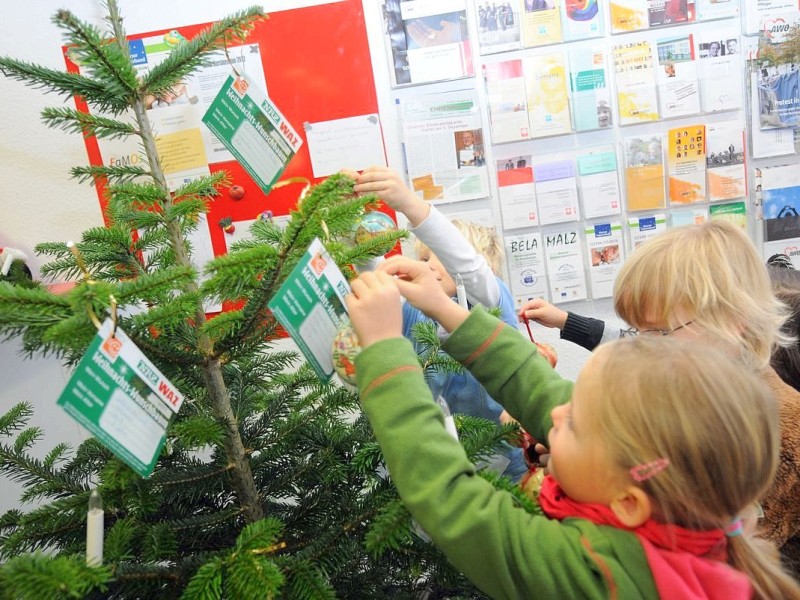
459, 258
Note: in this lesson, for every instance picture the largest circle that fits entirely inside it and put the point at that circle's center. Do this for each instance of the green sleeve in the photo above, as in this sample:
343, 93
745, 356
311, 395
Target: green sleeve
506, 551
511, 369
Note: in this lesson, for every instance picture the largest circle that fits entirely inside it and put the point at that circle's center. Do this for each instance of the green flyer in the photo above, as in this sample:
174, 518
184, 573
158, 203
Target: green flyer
122, 399
310, 306
251, 127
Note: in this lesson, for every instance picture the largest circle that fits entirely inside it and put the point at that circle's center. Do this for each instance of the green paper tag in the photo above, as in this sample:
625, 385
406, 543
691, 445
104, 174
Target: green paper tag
122, 399
251, 127
310, 306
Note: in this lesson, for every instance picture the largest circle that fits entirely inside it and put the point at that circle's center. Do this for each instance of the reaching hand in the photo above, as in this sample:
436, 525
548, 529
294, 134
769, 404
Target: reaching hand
375, 308
389, 187
418, 282
424, 36
544, 313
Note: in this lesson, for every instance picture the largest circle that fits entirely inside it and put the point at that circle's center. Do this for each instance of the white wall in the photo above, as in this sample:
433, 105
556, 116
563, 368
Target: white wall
41, 203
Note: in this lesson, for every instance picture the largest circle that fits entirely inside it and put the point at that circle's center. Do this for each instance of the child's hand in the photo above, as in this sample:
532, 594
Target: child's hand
375, 308
418, 282
542, 312
390, 187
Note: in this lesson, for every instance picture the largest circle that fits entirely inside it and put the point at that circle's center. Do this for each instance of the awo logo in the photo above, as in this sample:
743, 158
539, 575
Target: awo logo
791, 251
775, 30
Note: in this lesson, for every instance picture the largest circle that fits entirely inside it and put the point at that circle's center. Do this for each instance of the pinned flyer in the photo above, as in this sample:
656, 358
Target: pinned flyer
248, 124
310, 306
122, 399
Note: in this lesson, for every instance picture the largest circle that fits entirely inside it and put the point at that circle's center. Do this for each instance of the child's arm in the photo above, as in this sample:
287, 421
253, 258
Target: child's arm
435, 231
583, 331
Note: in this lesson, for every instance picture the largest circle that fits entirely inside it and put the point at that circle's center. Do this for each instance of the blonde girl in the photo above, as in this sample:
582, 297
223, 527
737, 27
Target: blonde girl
656, 453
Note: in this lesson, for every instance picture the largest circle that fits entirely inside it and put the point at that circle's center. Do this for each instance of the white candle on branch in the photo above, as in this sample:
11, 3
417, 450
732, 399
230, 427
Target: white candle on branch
94, 530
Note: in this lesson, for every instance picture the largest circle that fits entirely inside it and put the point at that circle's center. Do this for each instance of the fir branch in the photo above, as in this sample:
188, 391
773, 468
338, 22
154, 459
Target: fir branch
33, 577
29, 308
64, 84
19, 466
141, 195
16, 418
119, 174
191, 54
76, 121
102, 59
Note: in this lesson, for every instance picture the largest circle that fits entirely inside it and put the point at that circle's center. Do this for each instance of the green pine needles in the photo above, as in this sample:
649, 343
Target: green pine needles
270, 484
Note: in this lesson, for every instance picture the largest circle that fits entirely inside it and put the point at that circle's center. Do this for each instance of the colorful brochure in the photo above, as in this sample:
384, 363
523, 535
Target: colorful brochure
780, 187
541, 22
735, 212
637, 101
678, 87
526, 272
310, 306
599, 183
686, 162
565, 265
767, 142
688, 216
669, 12
517, 192
582, 20
548, 99
644, 173
606, 255
507, 97
591, 93
556, 192
725, 161
778, 95
628, 15
427, 40
642, 229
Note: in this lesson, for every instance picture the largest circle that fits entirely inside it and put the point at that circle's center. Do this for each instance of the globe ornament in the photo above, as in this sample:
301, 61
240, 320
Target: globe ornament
372, 224
344, 350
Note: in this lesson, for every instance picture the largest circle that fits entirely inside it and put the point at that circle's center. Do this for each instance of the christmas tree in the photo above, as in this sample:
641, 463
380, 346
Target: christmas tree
270, 483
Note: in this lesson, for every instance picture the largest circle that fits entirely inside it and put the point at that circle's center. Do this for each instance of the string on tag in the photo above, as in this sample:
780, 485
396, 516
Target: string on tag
87, 276
113, 314
528, 327
227, 56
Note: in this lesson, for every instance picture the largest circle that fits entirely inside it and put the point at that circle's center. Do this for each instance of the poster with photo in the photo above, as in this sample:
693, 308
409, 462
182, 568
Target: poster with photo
606, 254
517, 192
445, 146
565, 267
427, 40
526, 270
767, 142
780, 192
778, 95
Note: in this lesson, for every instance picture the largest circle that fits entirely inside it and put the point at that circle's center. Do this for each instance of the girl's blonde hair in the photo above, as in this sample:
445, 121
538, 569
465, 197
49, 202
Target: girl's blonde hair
713, 273
715, 421
484, 239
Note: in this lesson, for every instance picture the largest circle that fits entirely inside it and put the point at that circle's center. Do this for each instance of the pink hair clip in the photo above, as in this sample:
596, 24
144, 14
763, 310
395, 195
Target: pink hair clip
645, 471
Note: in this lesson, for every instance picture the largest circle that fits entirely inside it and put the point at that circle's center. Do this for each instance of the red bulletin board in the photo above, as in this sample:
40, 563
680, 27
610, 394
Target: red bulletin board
317, 67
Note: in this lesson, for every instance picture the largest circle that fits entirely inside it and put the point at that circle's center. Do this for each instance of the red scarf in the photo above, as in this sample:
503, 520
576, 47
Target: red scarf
685, 564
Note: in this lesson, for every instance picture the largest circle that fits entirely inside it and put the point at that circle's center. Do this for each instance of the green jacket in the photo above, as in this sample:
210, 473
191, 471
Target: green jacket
504, 550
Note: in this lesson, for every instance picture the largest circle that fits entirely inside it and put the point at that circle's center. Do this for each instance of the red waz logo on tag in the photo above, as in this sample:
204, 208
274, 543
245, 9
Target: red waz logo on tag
112, 346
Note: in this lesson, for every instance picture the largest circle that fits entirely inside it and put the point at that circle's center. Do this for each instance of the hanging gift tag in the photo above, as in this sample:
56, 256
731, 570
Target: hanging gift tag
252, 128
310, 306
122, 399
